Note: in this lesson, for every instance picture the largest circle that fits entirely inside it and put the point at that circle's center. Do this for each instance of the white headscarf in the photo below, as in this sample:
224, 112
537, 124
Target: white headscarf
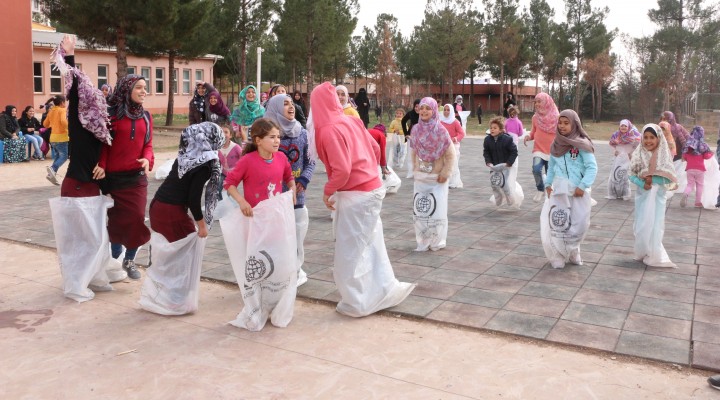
449, 119
658, 162
347, 96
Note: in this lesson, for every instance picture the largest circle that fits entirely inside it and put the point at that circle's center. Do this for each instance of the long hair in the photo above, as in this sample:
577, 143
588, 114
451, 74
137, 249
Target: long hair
259, 129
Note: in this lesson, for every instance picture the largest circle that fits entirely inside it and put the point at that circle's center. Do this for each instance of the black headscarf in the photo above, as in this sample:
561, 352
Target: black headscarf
120, 103
11, 123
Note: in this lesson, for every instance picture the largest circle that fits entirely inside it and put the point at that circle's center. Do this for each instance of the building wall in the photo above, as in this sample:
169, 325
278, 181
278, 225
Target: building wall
16, 44
97, 62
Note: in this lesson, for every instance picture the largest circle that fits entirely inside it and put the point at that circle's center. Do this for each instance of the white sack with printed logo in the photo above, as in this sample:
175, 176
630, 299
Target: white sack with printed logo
398, 152
361, 268
506, 189
263, 254
430, 202
564, 222
618, 182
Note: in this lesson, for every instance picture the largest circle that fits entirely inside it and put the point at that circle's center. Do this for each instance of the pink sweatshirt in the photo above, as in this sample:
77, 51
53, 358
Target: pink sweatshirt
455, 130
696, 161
260, 177
514, 126
542, 139
349, 153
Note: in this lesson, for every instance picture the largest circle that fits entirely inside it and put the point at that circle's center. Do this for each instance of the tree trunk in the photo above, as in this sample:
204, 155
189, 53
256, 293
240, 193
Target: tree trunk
472, 93
121, 53
502, 87
294, 79
599, 105
309, 78
171, 92
592, 97
576, 102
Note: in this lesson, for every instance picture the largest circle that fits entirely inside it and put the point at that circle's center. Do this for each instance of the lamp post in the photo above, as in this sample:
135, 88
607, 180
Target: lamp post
259, 61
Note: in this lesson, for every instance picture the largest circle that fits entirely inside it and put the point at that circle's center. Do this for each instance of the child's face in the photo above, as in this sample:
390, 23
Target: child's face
624, 128
447, 111
342, 97
270, 143
213, 100
650, 141
417, 108
564, 126
538, 103
425, 113
495, 130
289, 109
227, 133
398, 114
513, 114
250, 95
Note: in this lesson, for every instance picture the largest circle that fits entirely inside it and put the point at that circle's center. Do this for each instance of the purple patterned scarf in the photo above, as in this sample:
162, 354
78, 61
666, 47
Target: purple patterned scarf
120, 102
429, 139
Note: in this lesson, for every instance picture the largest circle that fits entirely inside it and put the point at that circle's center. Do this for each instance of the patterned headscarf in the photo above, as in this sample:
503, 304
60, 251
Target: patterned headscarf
678, 131
429, 139
696, 142
248, 111
218, 108
577, 138
631, 136
546, 114
108, 87
92, 105
199, 143
450, 119
120, 101
275, 112
198, 101
658, 162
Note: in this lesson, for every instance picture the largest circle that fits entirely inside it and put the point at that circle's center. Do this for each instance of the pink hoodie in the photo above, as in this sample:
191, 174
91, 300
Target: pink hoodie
344, 145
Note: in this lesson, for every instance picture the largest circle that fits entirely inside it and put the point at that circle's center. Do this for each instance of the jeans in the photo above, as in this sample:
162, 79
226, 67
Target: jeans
60, 154
116, 249
537, 167
36, 141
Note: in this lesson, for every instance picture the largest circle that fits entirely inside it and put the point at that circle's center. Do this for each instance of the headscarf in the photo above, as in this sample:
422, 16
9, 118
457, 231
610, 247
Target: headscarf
546, 114
658, 162
199, 143
696, 142
11, 123
450, 119
629, 137
219, 108
347, 96
676, 129
577, 138
275, 112
248, 111
92, 104
459, 99
429, 139
198, 101
362, 97
380, 127
108, 87
120, 103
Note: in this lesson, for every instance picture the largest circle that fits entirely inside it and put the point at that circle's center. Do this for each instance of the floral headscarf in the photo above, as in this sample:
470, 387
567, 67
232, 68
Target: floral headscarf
429, 139
198, 101
288, 127
696, 142
629, 137
546, 114
450, 119
658, 162
577, 138
219, 108
199, 143
120, 103
108, 87
247, 112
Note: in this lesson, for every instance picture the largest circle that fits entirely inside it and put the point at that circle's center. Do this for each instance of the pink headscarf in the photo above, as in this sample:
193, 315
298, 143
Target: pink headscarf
546, 114
429, 139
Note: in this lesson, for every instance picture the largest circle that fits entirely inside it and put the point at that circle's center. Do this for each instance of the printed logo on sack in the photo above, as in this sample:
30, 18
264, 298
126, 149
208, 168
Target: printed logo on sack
258, 268
620, 174
497, 179
424, 204
559, 219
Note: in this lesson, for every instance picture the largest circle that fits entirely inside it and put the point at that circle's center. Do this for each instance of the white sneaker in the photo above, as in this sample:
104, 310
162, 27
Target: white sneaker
302, 277
539, 197
575, 258
51, 176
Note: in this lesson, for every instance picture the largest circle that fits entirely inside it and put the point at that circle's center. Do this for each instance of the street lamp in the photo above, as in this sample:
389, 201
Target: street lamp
259, 61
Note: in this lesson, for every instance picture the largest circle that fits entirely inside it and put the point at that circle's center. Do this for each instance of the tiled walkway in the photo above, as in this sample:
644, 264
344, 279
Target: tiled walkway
493, 275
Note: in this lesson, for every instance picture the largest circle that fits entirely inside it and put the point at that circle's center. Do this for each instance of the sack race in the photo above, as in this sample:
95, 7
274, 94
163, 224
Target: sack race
506, 189
455, 182
430, 202
619, 182
398, 152
164, 170
391, 181
681, 178
712, 183
172, 285
362, 270
83, 247
564, 222
263, 254
302, 221
649, 227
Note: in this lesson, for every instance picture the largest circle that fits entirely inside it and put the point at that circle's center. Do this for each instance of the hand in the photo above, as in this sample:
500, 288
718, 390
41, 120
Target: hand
98, 172
489, 165
246, 208
508, 165
145, 164
454, 140
299, 188
525, 140
329, 204
14, 136
202, 231
548, 190
442, 179
647, 186
385, 170
578, 192
68, 44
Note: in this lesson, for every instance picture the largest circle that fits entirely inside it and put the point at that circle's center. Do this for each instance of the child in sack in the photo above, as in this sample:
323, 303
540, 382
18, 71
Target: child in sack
695, 153
499, 148
623, 141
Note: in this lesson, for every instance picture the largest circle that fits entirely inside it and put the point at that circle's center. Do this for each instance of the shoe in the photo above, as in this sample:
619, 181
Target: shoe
539, 197
683, 201
132, 271
51, 176
575, 258
714, 381
698, 205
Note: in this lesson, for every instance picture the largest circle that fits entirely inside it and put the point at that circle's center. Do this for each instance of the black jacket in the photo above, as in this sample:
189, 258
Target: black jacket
500, 149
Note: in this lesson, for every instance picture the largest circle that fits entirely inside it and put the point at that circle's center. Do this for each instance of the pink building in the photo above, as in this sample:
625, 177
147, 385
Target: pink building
100, 65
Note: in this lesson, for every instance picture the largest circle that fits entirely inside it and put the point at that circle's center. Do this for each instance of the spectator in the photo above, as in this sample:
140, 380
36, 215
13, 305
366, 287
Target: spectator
30, 127
199, 110
509, 101
59, 138
14, 149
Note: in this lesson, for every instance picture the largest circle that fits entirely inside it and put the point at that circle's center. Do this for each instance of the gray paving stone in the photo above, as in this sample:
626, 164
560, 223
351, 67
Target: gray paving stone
614, 285
436, 290
654, 347
666, 291
595, 315
416, 306
684, 281
706, 332
605, 299
706, 356
549, 291
571, 275
509, 271
659, 326
634, 274
522, 260
462, 314
707, 314
450, 276
534, 326
223, 273
482, 297
316, 289
497, 283
585, 335
424, 258
536, 305
662, 308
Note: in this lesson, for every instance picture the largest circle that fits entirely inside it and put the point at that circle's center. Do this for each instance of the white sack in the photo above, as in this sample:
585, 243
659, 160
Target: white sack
391, 181
463, 119
80, 225
564, 222
302, 221
619, 182
506, 189
163, 171
398, 151
224, 207
172, 285
263, 254
455, 182
681, 178
649, 227
712, 182
430, 202
410, 159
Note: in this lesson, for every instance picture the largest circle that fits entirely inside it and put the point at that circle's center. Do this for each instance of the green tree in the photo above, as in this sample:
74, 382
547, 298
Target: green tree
538, 19
503, 36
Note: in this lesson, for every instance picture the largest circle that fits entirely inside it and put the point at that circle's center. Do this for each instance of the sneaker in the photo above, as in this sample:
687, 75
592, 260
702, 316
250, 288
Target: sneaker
714, 381
132, 271
683, 201
539, 197
51, 176
575, 258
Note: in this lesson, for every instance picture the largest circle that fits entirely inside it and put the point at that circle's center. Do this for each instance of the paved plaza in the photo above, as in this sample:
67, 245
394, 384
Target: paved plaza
493, 274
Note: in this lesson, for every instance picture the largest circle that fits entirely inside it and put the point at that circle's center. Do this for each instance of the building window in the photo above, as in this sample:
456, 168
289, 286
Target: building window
159, 80
79, 66
131, 70
199, 75
55, 81
37, 77
102, 74
186, 81
145, 73
175, 81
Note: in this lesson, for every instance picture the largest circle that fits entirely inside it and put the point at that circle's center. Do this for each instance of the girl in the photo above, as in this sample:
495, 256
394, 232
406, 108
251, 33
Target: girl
58, 123
571, 172
544, 126
15, 145
246, 113
454, 128
513, 125
106, 90
652, 170
229, 154
433, 161
281, 89
298, 100
30, 127
217, 111
500, 154
397, 147
623, 141
695, 153
294, 144
347, 106
199, 111
126, 164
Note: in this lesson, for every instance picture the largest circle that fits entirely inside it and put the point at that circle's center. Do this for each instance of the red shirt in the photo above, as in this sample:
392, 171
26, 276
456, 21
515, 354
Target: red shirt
380, 139
259, 177
127, 147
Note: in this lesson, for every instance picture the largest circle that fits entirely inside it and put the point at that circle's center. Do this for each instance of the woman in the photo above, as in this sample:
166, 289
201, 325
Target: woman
299, 101
344, 97
14, 145
126, 164
299, 112
246, 113
199, 104
458, 106
362, 270
106, 90
217, 111
30, 127
363, 106
509, 101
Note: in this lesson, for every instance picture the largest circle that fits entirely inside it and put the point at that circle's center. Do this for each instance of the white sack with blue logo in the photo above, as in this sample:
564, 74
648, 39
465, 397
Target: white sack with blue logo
263, 254
564, 222
618, 182
430, 202
506, 189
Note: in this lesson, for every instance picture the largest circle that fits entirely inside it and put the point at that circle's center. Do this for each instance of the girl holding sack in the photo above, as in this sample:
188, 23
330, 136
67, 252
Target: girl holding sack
623, 141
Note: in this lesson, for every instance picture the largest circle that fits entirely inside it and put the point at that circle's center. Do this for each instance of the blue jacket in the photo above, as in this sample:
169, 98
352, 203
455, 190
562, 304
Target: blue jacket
577, 166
